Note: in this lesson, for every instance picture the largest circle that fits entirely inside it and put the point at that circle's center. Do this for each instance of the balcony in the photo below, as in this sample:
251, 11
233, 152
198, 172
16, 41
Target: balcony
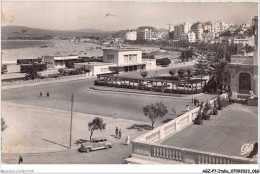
242, 59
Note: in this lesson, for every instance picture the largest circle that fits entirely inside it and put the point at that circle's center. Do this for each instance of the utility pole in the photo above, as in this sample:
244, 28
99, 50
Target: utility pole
72, 100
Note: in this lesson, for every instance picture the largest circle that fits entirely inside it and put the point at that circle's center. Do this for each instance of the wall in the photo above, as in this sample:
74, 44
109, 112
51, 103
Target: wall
148, 144
110, 52
122, 53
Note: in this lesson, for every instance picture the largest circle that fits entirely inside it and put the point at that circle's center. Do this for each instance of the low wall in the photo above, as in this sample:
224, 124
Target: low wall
41, 80
148, 144
184, 155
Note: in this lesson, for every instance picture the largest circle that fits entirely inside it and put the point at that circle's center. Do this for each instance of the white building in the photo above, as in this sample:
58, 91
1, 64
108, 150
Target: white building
145, 33
180, 29
198, 29
95, 68
131, 35
60, 61
126, 59
150, 63
190, 36
220, 27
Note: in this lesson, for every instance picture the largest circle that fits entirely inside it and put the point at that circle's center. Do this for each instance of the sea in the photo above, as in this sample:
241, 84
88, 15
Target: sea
15, 44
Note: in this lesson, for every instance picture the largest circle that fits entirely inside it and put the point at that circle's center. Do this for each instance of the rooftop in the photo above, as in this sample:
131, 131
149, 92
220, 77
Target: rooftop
94, 63
225, 133
121, 49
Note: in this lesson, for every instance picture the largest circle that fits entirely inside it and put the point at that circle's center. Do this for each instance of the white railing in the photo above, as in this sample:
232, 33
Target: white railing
185, 155
41, 80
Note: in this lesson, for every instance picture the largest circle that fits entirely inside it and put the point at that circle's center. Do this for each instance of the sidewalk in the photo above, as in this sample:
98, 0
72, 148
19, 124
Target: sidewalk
38, 130
39, 82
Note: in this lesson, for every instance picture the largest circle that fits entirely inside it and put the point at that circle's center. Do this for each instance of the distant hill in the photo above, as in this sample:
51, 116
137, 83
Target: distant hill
23, 31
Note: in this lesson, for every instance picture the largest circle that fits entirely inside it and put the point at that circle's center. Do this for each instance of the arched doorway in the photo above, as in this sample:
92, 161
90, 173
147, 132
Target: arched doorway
244, 83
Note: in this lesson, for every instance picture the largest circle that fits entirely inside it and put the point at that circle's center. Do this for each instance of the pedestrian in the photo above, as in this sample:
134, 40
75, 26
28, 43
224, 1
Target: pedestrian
116, 131
20, 160
47, 95
41, 94
127, 140
115, 116
195, 102
120, 133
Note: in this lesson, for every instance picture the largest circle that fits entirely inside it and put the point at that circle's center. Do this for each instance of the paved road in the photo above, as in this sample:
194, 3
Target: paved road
126, 106
114, 155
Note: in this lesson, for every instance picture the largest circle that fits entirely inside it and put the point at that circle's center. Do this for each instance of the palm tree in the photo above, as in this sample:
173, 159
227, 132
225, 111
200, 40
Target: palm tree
219, 74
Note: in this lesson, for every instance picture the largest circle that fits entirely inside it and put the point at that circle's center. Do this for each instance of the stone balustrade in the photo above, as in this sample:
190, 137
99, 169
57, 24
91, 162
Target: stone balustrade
185, 155
149, 145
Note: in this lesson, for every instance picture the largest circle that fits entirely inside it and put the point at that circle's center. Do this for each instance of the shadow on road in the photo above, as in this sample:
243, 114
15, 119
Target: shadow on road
81, 141
55, 143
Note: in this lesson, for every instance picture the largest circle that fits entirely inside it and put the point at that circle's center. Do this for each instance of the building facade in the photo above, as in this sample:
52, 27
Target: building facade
94, 68
179, 29
129, 59
220, 27
146, 33
244, 69
198, 29
131, 35
190, 36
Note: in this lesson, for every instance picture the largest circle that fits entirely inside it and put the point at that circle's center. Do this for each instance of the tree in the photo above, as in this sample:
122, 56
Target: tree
163, 61
32, 72
172, 72
181, 72
154, 111
219, 74
3, 125
144, 74
201, 67
188, 71
96, 124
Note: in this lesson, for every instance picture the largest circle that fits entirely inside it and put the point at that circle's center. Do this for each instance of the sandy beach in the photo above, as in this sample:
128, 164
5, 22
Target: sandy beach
66, 47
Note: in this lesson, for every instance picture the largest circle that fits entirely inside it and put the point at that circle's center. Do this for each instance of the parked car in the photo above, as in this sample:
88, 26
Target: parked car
95, 144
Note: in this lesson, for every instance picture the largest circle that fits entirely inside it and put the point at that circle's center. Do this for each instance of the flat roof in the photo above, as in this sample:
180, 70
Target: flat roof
94, 63
121, 49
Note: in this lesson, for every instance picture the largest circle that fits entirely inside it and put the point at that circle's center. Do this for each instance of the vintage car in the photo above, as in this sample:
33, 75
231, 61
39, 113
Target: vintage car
95, 144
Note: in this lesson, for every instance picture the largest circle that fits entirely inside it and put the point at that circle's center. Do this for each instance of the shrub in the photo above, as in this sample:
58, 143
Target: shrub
144, 74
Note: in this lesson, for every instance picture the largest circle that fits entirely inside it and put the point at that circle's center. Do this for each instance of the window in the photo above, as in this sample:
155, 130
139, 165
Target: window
110, 57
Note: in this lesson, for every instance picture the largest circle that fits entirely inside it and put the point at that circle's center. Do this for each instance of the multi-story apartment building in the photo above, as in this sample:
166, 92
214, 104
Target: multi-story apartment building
145, 33
180, 29
220, 27
190, 36
198, 29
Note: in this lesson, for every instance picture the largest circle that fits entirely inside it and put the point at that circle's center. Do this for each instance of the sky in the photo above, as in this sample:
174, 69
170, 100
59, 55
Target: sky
111, 16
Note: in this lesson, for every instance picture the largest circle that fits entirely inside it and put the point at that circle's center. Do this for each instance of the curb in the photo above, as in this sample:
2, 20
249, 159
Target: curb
37, 84
93, 89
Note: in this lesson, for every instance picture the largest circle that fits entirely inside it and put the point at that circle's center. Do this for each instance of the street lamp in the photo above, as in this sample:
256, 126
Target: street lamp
72, 100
